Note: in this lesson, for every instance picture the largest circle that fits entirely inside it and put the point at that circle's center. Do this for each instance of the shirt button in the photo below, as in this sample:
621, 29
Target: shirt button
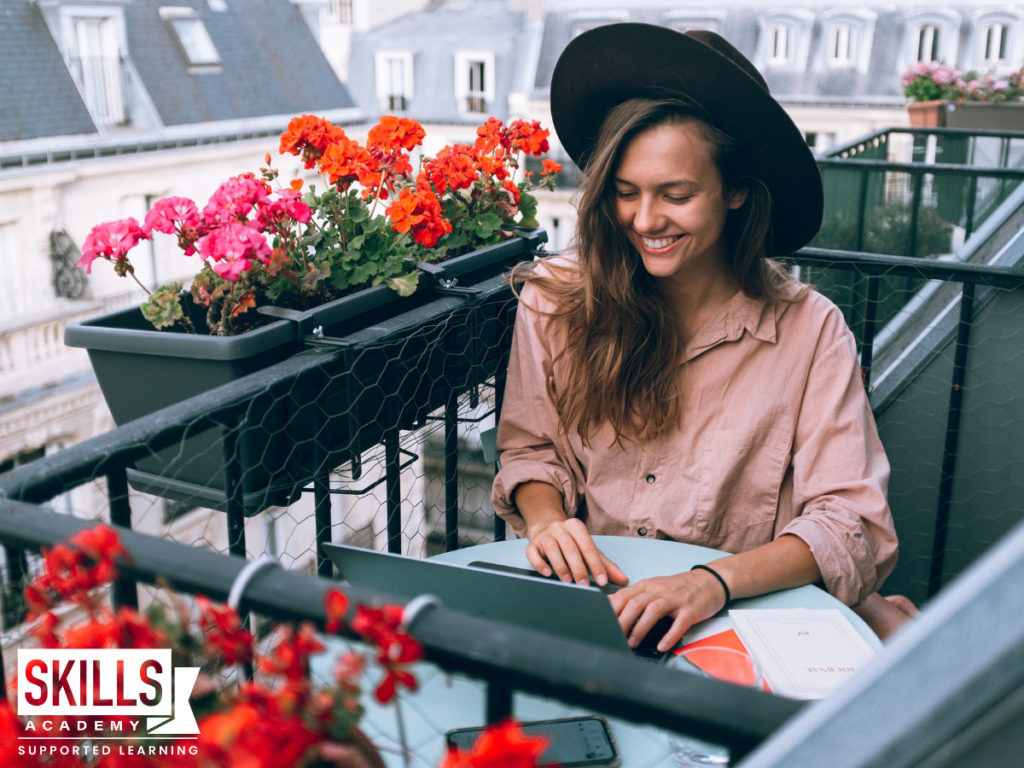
650, 478
642, 531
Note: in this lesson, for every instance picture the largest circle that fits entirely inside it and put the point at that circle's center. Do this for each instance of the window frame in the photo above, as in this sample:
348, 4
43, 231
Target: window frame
466, 98
945, 42
104, 90
1011, 42
796, 26
204, 59
383, 61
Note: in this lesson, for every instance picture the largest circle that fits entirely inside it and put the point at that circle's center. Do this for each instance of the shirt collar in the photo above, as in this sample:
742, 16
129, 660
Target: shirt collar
740, 313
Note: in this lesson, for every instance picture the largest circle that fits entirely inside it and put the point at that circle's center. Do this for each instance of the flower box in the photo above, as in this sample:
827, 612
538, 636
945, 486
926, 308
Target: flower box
336, 412
983, 115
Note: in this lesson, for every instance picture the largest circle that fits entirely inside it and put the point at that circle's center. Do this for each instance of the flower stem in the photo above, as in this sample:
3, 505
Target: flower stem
402, 738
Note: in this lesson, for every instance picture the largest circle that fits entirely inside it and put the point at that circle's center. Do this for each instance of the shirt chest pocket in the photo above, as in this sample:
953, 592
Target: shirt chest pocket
741, 474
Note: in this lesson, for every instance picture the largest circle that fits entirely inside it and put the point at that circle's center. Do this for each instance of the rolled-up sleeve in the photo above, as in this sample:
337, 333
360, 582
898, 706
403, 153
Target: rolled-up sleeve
530, 448
840, 473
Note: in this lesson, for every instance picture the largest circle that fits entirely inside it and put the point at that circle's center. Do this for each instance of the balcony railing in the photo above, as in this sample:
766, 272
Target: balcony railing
395, 456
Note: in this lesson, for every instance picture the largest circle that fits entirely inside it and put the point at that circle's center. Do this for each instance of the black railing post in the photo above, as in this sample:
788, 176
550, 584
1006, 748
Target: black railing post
949, 450
322, 509
124, 591
451, 470
393, 486
233, 492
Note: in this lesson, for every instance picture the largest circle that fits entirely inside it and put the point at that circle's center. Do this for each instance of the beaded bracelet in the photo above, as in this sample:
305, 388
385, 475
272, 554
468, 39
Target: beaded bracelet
717, 575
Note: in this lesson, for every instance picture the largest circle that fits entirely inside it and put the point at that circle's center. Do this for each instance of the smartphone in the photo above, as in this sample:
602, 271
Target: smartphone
572, 741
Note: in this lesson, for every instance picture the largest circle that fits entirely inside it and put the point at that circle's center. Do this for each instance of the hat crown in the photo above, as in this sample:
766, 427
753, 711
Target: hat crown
724, 48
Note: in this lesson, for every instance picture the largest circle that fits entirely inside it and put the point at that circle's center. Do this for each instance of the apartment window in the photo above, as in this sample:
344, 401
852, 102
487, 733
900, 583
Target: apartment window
341, 11
95, 63
394, 80
19, 459
840, 45
994, 37
681, 21
820, 141
928, 39
474, 82
780, 49
785, 39
192, 35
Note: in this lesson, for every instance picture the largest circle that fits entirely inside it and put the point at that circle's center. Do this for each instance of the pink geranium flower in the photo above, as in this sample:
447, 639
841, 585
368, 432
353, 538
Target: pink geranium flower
112, 241
232, 248
171, 215
234, 200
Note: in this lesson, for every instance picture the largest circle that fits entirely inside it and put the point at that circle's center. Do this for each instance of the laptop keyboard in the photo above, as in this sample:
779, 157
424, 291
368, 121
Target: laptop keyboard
648, 647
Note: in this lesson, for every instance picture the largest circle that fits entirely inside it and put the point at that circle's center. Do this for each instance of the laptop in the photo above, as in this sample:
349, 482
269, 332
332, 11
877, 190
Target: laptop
495, 592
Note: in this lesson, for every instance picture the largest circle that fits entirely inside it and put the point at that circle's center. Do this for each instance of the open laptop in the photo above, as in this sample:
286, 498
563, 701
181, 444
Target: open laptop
495, 592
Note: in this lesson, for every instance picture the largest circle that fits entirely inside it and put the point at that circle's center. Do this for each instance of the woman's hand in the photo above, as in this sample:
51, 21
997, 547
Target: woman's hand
688, 597
566, 548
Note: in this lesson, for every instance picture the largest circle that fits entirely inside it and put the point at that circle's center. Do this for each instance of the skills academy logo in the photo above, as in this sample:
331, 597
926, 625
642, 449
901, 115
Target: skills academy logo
99, 695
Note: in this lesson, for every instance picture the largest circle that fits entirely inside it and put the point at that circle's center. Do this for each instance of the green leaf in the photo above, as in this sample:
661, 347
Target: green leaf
404, 285
487, 224
163, 307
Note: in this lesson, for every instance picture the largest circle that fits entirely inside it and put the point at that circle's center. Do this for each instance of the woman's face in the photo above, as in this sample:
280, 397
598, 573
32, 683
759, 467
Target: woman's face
670, 202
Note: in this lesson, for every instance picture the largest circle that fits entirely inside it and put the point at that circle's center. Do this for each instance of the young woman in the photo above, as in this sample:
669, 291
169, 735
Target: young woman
667, 379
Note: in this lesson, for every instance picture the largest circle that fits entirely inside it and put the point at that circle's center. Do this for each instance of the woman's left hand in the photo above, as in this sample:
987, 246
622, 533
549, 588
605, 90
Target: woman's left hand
689, 597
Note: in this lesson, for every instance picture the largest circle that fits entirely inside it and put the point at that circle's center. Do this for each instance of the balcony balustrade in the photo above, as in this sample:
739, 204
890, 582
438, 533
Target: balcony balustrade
939, 342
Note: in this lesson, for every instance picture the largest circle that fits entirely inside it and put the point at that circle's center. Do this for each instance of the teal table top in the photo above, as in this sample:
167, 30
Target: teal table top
446, 701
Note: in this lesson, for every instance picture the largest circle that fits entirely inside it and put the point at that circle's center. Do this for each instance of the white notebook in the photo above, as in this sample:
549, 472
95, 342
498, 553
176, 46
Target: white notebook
803, 653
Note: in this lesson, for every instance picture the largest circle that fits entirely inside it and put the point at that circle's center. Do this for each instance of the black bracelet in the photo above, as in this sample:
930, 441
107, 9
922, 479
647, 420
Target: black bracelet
717, 575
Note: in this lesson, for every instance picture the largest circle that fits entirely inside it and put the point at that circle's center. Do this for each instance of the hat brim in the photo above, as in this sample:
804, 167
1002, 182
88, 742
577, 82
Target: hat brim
610, 64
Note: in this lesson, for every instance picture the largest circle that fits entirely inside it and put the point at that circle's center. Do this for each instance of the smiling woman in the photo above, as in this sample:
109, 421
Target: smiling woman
667, 377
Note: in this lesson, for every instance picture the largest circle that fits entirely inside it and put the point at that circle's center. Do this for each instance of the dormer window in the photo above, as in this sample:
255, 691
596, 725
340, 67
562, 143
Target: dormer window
394, 80
780, 46
474, 82
928, 39
683, 20
840, 45
785, 39
95, 60
932, 35
191, 32
997, 40
847, 39
994, 44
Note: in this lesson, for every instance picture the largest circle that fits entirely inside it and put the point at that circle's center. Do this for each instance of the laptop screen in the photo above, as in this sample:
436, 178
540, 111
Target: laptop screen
567, 610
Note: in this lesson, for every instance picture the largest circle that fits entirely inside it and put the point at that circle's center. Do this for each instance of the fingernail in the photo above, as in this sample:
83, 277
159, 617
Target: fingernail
602, 579
632, 642
567, 579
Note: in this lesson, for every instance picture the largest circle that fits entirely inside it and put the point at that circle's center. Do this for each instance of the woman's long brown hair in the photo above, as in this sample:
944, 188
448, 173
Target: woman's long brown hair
623, 342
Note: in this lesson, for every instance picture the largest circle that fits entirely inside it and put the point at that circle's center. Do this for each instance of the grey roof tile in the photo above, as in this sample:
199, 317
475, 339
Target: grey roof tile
270, 63
38, 97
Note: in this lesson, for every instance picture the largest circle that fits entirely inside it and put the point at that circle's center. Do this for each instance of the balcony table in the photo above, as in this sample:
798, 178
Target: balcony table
444, 702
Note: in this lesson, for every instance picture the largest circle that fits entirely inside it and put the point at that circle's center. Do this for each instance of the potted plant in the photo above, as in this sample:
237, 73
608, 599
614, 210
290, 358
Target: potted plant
941, 96
280, 718
338, 258
929, 85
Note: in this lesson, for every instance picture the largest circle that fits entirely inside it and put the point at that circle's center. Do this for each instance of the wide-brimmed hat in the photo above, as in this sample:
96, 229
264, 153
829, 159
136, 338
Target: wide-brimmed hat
609, 64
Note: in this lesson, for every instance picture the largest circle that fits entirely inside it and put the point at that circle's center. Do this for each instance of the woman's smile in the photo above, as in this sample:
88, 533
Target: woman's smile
670, 202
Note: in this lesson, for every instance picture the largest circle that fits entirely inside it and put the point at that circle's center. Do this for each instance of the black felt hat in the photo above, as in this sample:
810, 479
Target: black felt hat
609, 64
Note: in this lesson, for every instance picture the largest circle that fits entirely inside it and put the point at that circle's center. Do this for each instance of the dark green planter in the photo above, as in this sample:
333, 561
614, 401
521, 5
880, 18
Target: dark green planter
985, 116
388, 380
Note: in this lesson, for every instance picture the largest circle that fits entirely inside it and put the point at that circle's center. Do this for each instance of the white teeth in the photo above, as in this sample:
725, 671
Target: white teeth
662, 242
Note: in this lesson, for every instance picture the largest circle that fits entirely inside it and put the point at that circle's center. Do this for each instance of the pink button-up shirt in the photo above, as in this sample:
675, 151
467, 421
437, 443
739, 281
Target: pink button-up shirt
776, 437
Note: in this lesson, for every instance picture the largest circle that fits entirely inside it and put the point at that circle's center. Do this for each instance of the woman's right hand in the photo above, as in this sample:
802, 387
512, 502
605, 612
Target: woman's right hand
566, 548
